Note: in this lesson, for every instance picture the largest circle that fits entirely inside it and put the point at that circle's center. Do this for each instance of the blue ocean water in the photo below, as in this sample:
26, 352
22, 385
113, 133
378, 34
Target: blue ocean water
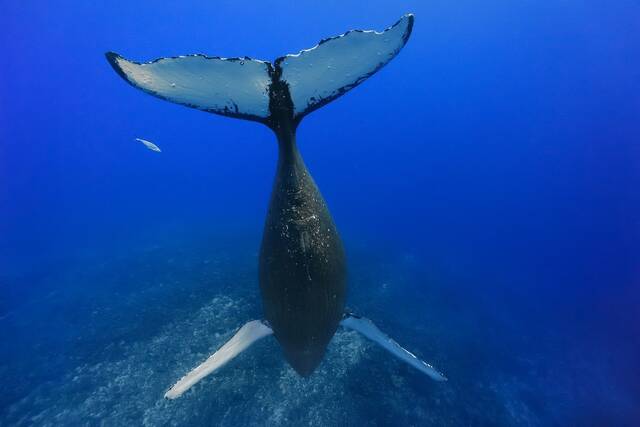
484, 182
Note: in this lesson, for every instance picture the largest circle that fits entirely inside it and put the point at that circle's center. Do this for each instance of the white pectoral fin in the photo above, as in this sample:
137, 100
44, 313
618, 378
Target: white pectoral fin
249, 333
371, 331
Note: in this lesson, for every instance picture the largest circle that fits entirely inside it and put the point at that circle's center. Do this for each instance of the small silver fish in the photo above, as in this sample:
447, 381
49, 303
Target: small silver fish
150, 145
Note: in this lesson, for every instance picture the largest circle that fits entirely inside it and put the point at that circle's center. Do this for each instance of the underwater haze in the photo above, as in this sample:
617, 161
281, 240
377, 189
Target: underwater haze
485, 184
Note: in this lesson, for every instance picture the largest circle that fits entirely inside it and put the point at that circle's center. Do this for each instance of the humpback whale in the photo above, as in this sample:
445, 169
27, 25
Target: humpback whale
302, 267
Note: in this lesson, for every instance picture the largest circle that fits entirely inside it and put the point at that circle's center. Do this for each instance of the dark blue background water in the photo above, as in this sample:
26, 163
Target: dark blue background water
485, 183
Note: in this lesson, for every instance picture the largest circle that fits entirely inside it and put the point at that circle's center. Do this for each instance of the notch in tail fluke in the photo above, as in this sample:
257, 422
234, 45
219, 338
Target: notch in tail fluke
242, 87
371, 331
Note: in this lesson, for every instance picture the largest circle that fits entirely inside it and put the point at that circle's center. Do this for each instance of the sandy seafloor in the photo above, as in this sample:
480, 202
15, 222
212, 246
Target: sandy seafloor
117, 328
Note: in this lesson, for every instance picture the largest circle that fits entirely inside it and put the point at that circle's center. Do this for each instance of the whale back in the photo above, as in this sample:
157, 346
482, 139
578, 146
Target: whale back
302, 265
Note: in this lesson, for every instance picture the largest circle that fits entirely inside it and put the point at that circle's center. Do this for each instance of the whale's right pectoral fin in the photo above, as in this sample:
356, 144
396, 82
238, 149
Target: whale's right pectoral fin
371, 331
247, 335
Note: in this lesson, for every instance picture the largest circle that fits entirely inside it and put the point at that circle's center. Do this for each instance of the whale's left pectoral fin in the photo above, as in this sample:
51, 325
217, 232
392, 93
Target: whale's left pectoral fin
247, 335
371, 331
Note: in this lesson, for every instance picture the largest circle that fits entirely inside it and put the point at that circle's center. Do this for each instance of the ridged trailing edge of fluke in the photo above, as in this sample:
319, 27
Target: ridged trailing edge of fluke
302, 265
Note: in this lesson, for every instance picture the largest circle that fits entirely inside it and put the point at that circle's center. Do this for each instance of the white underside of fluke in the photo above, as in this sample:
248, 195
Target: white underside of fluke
247, 335
239, 87
371, 331
229, 86
318, 75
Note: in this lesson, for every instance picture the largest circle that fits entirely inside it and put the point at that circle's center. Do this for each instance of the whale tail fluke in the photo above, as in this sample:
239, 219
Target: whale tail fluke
336, 65
244, 87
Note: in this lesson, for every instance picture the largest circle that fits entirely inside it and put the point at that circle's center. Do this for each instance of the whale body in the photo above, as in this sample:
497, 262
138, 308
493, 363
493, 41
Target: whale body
302, 263
302, 266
